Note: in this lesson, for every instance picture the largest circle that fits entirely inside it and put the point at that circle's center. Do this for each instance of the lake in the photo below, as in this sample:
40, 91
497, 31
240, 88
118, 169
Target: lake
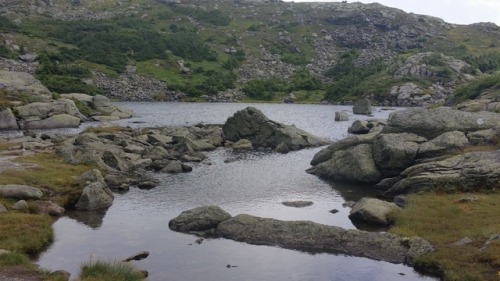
255, 184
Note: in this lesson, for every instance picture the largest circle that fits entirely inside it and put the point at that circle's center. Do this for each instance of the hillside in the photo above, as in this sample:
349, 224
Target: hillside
244, 50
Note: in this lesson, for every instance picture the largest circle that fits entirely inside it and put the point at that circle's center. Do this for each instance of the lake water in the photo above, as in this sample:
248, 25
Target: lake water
256, 184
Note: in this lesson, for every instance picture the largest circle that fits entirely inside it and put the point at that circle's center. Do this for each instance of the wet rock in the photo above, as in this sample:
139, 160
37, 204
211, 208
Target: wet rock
341, 116
18, 191
199, 219
297, 204
373, 211
334, 211
282, 148
137, 257
48, 208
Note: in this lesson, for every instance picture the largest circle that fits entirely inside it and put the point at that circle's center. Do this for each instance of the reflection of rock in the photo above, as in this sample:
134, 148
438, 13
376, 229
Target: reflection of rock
92, 219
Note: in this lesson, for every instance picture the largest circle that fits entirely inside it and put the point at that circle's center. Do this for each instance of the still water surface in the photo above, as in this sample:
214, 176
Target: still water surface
255, 184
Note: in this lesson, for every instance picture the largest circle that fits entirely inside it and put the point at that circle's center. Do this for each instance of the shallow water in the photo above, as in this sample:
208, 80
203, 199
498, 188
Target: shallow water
255, 184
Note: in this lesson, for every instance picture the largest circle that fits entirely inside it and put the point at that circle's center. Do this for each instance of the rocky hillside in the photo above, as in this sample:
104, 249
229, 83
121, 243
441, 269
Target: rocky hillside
244, 49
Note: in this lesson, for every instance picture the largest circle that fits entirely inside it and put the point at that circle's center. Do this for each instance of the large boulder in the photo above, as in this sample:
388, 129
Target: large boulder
372, 211
94, 197
363, 107
250, 123
8, 120
22, 82
18, 191
315, 237
431, 123
354, 164
54, 121
199, 219
468, 172
43, 110
395, 152
447, 143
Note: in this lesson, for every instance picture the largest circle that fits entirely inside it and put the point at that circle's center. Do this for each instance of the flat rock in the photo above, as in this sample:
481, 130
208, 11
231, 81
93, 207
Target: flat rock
199, 219
17, 191
372, 210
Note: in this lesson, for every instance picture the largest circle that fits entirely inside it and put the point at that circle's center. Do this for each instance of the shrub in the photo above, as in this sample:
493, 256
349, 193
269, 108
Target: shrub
264, 89
475, 88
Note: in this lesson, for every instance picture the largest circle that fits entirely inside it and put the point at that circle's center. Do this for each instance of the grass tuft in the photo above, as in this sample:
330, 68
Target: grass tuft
443, 220
109, 271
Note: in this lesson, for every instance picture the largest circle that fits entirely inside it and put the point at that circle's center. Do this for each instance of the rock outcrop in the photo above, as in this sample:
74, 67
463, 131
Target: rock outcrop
419, 150
309, 236
252, 124
22, 82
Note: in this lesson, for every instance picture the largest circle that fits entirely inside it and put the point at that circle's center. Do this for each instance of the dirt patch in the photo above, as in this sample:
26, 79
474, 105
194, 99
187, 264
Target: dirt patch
19, 273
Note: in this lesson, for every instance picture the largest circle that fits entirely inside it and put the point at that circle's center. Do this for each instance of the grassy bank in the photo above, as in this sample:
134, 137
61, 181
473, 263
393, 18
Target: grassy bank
445, 219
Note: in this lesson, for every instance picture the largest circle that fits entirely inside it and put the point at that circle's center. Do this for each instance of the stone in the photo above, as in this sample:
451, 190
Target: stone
250, 123
363, 107
446, 143
243, 144
173, 167
115, 160
282, 148
94, 197
199, 219
102, 104
22, 82
359, 127
354, 165
18, 191
297, 204
341, 116
430, 123
8, 120
47, 208
137, 257
314, 237
3, 209
395, 152
463, 241
44, 110
372, 211
20, 205
54, 121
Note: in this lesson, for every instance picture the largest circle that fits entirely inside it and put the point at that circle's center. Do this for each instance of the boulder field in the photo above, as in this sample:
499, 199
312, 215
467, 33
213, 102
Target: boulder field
419, 149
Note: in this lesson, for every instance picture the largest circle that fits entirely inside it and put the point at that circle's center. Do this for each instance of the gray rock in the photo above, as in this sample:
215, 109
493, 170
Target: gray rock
22, 82
373, 211
341, 116
315, 237
102, 104
43, 110
482, 137
8, 120
54, 121
28, 57
359, 127
463, 241
354, 165
297, 204
431, 123
252, 124
93, 175
48, 208
243, 144
282, 148
447, 143
137, 257
94, 197
173, 167
199, 219
3, 209
17, 191
363, 107
20, 205
472, 171
395, 152
115, 160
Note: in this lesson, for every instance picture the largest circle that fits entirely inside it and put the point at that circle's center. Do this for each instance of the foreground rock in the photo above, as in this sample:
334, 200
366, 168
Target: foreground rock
199, 219
310, 236
250, 123
94, 197
17, 191
372, 211
419, 150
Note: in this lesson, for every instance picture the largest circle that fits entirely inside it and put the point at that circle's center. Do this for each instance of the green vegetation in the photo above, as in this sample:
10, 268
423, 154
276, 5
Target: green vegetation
213, 17
7, 97
109, 271
50, 173
477, 87
6, 25
25, 233
264, 89
443, 220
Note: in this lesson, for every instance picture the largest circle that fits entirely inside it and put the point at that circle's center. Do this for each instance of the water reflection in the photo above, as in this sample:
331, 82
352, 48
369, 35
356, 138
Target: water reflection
93, 219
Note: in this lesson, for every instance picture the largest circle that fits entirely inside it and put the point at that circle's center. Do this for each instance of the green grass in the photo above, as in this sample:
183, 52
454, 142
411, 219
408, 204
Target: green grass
109, 271
25, 233
11, 259
443, 220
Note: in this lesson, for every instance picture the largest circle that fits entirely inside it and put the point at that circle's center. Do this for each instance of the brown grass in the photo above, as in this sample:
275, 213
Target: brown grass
444, 220
25, 233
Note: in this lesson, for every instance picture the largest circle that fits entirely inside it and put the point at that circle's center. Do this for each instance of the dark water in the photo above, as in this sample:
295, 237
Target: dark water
255, 184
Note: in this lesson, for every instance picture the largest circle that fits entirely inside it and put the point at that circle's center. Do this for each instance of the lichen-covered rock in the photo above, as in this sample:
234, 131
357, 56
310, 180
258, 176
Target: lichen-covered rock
199, 219
94, 197
363, 107
8, 120
18, 191
373, 211
22, 82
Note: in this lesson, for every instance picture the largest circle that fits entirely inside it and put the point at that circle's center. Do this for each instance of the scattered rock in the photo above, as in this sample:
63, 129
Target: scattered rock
341, 116
363, 107
20, 205
199, 219
334, 211
137, 257
94, 197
